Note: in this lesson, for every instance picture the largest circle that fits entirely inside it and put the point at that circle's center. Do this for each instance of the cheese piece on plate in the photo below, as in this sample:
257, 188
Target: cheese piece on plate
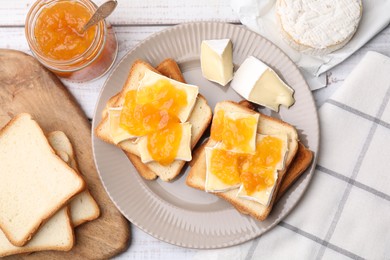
239, 132
318, 27
150, 78
118, 134
222, 170
259, 174
184, 148
258, 83
216, 60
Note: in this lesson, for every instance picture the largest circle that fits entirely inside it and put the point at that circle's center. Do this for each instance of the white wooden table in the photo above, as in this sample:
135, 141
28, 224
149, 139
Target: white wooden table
135, 20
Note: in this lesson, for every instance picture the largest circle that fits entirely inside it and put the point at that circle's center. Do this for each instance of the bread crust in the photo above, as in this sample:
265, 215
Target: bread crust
67, 247
49, 214
68, 149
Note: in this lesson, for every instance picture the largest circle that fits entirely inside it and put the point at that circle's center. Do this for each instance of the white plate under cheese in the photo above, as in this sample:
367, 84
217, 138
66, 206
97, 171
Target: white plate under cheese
217, 60
258, 83
192, 91
318, 27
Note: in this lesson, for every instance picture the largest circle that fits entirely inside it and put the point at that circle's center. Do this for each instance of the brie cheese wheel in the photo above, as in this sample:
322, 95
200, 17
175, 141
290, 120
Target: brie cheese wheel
240, 145
216, 60
192, 91
184, 152
213, 183
318, 27
258, 83
117, 133
264, 196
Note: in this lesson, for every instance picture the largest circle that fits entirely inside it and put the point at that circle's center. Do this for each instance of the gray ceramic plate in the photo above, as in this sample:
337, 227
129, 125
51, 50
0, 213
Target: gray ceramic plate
174, 212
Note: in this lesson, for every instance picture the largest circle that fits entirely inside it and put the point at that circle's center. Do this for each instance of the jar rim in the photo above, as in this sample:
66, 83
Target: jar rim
77, 63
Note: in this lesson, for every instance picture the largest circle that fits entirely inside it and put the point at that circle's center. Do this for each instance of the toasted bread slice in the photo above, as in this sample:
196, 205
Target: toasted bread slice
56, 234
31, 174
267, 125
301, 161
83, 207
200, 118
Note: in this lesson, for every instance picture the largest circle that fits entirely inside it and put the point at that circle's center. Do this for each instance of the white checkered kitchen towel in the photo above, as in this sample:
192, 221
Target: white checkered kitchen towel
345, 213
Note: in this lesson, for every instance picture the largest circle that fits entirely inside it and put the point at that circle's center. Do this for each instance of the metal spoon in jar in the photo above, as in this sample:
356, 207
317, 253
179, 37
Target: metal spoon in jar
102, 12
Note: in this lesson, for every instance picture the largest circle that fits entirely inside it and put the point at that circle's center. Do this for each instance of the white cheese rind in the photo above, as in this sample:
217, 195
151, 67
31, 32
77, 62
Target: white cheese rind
318, 27
217, 60
258, 83
192, 91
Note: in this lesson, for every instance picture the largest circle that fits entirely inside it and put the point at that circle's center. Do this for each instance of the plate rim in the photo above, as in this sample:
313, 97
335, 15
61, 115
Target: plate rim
309, 171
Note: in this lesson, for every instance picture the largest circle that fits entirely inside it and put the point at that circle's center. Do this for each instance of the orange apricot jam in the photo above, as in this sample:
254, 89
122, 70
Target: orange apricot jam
217, 126
258, 170
257, 180
153, 111
237, 133
58, 30
164, 144
225, 166
254, 171
140, 120
53, 32
164, 96
268, 153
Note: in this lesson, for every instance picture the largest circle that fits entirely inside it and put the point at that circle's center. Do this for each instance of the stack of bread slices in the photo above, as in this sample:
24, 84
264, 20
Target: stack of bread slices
42, 194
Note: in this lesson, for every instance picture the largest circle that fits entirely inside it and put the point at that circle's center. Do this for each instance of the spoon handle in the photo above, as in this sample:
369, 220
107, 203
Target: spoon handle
102, 12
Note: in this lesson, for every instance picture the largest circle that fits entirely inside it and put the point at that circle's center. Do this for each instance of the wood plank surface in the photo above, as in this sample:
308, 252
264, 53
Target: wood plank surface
140, 12
25, 86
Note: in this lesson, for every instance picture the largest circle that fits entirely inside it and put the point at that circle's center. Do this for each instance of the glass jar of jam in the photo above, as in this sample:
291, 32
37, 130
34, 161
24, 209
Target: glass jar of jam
55, 36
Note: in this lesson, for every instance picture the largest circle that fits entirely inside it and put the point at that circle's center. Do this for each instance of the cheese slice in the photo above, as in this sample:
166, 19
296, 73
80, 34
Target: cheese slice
216, 60
258, 83
242, 145
192, 91
213, 183
264, 196
118, 134
184, 152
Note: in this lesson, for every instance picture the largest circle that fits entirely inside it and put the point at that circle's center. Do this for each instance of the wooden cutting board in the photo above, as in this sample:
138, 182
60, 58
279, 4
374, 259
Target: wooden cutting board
26, 86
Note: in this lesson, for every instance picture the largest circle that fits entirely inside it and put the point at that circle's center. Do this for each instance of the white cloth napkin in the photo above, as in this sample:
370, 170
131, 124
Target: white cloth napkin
345, 213
259, 16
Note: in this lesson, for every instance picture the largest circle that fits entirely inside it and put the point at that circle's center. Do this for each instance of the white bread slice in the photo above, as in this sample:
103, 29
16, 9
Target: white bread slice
55, 234
83, 207
267, 125
34, 182
200, 118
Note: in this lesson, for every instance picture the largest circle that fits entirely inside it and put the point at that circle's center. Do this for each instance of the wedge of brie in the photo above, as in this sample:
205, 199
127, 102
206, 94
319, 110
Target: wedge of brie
217, 60
192, 91
117, 133
258, 83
